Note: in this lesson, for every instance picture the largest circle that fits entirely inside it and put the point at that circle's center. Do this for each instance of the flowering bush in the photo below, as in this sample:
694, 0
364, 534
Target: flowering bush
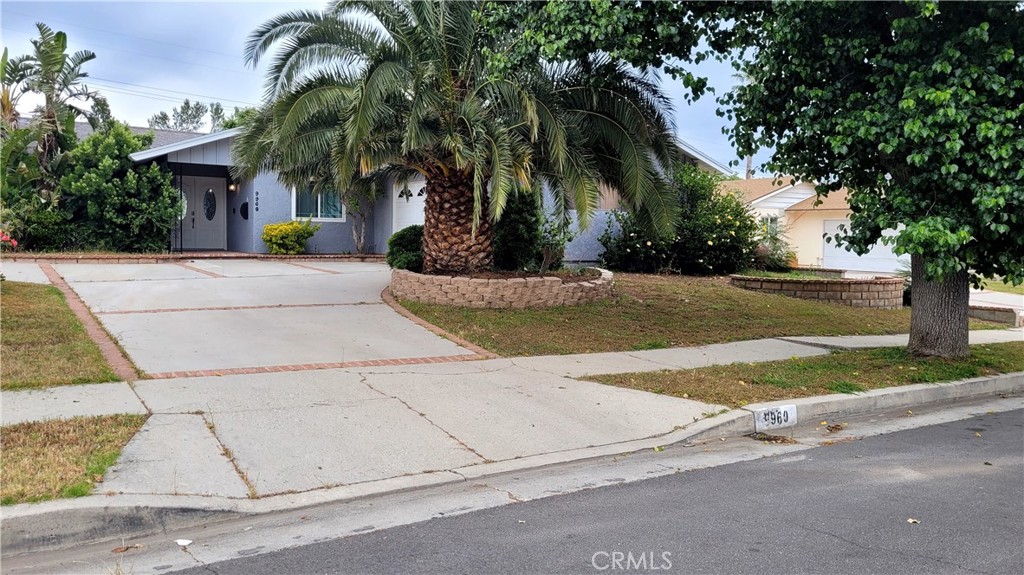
714, 233
633, 248
288, 238
7, 243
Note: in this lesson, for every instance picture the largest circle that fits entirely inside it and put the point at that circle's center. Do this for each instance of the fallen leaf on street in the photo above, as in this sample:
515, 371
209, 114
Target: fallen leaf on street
912, 520
125, 548
183, 542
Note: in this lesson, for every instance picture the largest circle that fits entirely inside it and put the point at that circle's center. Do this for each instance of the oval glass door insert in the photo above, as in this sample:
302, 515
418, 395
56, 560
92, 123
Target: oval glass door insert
209, 204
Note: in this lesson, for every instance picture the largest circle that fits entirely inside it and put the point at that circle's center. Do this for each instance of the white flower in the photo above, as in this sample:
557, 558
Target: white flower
648, 242
711, 243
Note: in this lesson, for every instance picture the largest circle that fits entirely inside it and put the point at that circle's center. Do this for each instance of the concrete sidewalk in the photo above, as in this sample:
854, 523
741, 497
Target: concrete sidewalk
260, 435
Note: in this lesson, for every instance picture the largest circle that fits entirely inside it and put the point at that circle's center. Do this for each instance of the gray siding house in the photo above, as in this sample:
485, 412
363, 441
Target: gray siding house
222, 214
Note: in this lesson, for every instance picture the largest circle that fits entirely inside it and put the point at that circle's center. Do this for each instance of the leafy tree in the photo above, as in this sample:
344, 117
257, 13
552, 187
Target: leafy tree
665, 35
118, 205
216, 117
404, 84
187, 118
238, 117
918, 109
57, 76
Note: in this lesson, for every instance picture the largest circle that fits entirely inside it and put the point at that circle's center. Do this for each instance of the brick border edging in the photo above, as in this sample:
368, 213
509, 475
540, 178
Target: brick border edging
312, 366
393, 304
876, 293
112, 353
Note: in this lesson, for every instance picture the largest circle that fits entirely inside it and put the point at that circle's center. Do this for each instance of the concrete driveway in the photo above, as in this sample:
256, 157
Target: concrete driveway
216, 315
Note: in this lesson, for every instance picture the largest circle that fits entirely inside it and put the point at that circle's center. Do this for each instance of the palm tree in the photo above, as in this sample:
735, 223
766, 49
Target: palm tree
57, 76
367, 87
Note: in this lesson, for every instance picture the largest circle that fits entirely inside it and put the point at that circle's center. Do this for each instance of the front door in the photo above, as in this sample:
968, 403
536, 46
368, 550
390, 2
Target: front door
204, 226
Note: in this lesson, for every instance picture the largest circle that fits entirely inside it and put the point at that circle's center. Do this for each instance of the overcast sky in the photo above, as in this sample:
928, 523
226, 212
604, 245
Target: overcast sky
151, 55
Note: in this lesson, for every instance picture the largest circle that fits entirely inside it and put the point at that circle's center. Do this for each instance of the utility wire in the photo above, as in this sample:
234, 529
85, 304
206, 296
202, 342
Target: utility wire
101, 81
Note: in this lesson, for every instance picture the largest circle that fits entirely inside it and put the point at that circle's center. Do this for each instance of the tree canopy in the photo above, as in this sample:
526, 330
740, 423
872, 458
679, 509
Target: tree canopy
373, 85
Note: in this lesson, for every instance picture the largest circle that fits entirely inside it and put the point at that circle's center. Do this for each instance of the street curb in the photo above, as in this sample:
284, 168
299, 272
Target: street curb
71, 522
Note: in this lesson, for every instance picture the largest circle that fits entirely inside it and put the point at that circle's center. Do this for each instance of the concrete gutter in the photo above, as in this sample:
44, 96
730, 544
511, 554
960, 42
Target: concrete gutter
69, 523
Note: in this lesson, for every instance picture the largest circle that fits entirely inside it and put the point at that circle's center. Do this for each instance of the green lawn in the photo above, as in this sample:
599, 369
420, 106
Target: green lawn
996, 285
61, 458
741, 384
657, 311
42, 342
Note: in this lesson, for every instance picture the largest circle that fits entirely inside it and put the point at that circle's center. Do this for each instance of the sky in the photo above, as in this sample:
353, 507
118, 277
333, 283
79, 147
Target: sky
152, 55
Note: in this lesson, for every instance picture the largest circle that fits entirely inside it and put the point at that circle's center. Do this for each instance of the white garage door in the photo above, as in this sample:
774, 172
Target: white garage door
879, 259
409, 202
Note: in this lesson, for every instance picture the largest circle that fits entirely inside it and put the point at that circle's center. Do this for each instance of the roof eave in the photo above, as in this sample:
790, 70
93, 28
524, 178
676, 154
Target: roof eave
154, 153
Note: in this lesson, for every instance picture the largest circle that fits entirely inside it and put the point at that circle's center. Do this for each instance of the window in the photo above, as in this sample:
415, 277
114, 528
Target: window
318, 206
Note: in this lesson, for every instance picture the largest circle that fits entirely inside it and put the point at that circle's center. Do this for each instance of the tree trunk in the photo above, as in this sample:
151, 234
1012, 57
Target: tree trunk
750, 168
938, 316
449, 244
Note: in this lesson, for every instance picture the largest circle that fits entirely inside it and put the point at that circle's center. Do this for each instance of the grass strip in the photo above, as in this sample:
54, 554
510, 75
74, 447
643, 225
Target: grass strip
741, 384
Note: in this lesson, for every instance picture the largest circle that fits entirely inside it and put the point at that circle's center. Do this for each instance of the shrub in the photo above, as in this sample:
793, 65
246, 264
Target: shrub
632, 247
288, 238
714, 233
773, 252
405, 249
114, 204
553, 237
48, 229
517, 235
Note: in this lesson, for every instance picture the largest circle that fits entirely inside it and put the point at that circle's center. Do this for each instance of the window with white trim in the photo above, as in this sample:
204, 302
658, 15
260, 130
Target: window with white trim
308, 204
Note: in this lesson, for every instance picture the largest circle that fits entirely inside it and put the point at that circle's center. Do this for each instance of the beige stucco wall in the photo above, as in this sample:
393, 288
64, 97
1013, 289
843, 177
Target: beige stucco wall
804, 230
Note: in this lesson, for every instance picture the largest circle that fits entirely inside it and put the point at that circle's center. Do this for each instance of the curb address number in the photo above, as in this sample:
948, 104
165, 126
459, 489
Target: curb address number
775, 417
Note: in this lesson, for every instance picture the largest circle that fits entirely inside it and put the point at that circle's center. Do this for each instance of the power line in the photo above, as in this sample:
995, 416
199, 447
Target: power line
80, 26
145, 55
100, 82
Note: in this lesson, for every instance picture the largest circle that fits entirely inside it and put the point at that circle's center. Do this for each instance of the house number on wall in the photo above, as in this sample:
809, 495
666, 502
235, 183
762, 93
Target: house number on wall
256, 201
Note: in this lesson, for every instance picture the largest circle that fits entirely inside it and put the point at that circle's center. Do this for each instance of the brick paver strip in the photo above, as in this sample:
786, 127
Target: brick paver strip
120, 364
390, 300
315, 366
198, 269
232, 308
316, 269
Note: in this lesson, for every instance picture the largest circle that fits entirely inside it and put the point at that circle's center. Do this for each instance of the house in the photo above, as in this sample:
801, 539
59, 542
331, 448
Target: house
790, 204
222, 214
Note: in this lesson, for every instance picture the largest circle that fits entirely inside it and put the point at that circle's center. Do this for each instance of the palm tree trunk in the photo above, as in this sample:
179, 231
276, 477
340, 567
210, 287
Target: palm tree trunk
449, 244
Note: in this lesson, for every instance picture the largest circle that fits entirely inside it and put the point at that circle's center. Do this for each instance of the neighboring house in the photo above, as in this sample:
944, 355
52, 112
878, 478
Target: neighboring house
222, 214
791, 205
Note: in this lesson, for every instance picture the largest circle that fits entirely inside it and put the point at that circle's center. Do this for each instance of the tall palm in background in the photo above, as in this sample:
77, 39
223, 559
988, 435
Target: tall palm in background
369, 89
57, 76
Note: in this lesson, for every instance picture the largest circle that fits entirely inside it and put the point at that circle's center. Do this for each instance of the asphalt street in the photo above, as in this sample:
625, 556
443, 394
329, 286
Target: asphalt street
946, 498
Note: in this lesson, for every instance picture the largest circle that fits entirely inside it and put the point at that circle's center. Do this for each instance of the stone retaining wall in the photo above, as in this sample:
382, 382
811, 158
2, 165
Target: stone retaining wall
821, 272
498, 293
880, 292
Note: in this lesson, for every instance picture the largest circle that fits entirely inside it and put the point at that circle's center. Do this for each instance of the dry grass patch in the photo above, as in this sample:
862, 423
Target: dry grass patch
42, 342
658, 311
741, 384
61, 458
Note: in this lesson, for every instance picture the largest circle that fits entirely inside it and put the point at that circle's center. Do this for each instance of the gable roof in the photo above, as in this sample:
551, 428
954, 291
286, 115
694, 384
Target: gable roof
693, 152
755, 188
836, 200
198, 140
160, 137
